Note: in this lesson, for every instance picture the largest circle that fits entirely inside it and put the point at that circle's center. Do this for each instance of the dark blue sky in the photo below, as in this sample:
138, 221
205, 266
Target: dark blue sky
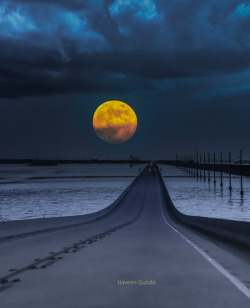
183, 66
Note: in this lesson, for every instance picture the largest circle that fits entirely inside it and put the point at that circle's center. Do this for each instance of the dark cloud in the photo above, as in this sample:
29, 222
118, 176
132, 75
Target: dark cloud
115, 135
69, 4
100, 72
85, 43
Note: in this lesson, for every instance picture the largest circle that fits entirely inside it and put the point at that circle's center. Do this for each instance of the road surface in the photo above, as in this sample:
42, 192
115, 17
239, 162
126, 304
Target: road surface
136, 256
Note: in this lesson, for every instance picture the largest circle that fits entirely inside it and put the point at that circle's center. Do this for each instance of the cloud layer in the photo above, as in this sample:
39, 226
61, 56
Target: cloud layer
54, 47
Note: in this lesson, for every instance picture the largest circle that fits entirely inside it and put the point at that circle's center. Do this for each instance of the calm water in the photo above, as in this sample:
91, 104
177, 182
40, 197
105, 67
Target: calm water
199, 198
34, 192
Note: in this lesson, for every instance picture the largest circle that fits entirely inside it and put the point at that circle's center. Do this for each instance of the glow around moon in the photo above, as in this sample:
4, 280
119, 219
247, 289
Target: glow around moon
114, 122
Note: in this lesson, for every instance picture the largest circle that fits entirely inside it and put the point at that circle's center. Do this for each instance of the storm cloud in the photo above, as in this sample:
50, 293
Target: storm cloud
54, 47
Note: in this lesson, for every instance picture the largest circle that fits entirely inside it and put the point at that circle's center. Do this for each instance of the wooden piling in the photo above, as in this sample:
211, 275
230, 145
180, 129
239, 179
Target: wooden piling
221, 175
230, 174
214, 169
241, 175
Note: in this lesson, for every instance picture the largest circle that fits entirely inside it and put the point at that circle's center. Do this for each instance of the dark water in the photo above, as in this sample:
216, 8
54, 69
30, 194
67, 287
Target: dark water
201, 198
34, 192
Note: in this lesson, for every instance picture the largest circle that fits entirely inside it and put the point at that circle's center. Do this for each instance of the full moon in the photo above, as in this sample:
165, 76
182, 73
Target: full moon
114, 122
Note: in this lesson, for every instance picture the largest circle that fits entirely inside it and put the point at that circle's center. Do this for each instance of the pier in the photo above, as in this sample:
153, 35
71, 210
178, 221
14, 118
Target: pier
138, 252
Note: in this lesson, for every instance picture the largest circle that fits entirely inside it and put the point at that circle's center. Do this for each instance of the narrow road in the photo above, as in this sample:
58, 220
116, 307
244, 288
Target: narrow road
132, 257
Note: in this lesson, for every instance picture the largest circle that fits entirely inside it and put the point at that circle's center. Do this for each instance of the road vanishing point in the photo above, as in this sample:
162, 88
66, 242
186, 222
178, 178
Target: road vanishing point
133, 254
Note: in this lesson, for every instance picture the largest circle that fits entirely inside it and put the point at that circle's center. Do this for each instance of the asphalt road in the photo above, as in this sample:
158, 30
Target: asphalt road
136, 256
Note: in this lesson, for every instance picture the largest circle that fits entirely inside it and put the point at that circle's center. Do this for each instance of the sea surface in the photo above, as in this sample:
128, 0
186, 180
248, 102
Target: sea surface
28, 192
200, 197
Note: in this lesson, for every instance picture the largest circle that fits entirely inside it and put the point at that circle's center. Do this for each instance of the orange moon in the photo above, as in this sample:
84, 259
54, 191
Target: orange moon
114, 122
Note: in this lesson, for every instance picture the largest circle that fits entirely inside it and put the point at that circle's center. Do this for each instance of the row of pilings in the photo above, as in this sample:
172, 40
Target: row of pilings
213, 167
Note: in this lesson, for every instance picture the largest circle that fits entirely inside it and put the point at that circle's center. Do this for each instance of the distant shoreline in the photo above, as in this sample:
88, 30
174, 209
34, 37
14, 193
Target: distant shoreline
68, 161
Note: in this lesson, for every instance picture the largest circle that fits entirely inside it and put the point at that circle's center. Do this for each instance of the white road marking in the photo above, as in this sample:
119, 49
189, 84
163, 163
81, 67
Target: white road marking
234, 280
